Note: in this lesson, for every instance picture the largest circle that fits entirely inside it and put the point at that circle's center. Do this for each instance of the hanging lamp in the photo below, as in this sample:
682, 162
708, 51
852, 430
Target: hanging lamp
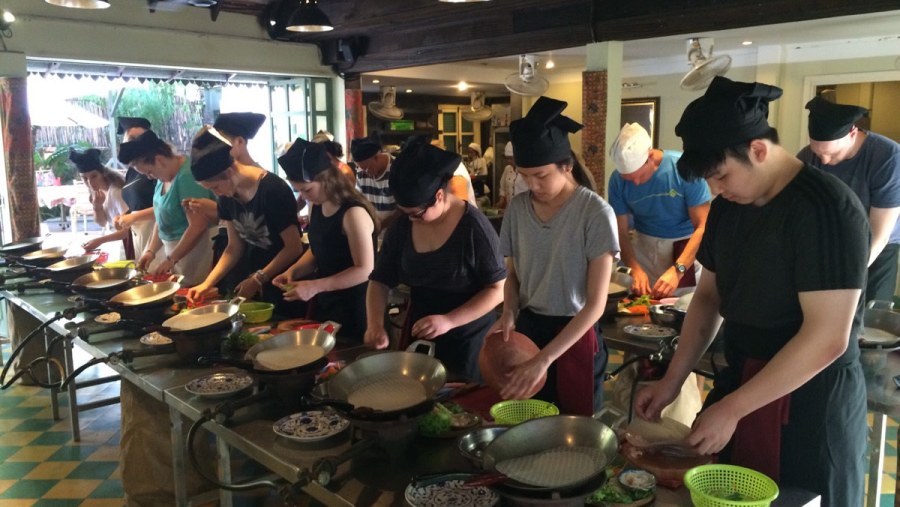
80, 4
309, 18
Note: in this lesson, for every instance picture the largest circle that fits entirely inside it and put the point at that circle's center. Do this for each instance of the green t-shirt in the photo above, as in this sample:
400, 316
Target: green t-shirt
170, 218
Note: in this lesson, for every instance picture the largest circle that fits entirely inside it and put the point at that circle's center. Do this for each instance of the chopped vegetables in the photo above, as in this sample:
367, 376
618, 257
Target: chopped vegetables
637, 306
614, 492
241, 340
438, 421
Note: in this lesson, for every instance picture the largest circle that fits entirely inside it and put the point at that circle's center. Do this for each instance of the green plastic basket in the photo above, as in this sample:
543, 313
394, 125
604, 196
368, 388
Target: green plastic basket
721, 485
517, 411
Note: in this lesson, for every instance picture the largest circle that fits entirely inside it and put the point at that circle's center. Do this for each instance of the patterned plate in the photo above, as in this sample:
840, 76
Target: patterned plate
649, 331
155, 338
310, 426
450, 493
219, 385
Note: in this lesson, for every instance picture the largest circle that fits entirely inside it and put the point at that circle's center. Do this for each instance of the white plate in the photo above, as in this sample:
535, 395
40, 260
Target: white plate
450, 493
155, 338
219, 385
875, 335
649, 331
310, 426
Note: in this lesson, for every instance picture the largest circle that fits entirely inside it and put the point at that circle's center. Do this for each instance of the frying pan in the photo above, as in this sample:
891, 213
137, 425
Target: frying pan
385, 386
146, 294
204, 318
880, 321
321, 338
537, 436
620, 276
105, 281
70, 269
43, 258
20, 247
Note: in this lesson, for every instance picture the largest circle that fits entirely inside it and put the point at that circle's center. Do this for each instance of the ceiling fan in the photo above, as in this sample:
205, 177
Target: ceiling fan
386, 109
478, 112
704, 66
526, 81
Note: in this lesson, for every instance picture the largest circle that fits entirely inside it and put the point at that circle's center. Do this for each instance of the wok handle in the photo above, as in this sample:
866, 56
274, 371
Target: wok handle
488, 479
429, 347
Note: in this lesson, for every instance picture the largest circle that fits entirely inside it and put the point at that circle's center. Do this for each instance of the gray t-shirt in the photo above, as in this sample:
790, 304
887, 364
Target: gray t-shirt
873, 174
551, 258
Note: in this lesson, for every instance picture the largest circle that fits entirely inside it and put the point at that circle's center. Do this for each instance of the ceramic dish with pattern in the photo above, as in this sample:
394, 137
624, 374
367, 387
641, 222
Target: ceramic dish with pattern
310, 426
219, 385
108, 318
155, 338
451, 493
649, 331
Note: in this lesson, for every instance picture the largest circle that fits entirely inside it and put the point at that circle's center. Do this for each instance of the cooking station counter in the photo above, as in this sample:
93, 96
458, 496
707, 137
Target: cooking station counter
363, 481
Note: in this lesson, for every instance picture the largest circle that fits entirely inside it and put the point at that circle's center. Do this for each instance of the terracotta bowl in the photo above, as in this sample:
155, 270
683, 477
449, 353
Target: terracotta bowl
497, 358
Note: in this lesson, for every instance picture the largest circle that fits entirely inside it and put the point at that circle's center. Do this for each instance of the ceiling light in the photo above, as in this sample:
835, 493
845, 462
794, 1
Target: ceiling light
549, 64
462, 86
746, 43
631, 85
409, 90
203, 3
309, 18
376, 81
80, 4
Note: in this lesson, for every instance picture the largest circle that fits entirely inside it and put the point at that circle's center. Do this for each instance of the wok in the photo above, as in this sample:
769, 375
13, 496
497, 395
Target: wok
620, 277
199, 332
385, 386
145, 294
69, 269
43, 258
320, 340
105, 281
21, 247
880, 322
538, 436
667, 315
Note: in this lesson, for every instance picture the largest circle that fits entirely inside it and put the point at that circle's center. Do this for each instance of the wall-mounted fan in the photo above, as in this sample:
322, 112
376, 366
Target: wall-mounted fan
704, 66
478, 112
387, 108
526, 81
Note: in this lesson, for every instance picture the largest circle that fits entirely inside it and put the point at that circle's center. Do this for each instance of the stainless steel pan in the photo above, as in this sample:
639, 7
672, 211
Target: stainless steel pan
105, 280
204, 318
320, 340
386, 386
43, 258
146, 294
23, 246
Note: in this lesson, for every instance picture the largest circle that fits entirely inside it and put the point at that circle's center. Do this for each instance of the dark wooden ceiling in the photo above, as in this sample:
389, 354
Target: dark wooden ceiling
372, 35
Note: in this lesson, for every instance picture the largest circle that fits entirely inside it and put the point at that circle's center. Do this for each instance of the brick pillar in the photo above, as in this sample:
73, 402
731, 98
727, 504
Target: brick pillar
19, 154
593, 136
353, 105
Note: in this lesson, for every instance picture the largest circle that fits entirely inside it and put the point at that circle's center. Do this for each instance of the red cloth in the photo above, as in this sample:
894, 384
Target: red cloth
575, 376
479, 401
757, 438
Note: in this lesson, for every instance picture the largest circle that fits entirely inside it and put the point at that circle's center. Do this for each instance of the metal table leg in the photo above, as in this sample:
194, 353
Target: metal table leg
54, 391
177, 436
876, 459
72, 391
224, 472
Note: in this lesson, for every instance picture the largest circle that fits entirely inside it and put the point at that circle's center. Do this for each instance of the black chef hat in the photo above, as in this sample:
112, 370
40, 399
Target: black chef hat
542, 136
140, 146
130, 122
728, 114
244, 125
304, 160
829, 121
363, 148
87, 160
419, 171
210, 154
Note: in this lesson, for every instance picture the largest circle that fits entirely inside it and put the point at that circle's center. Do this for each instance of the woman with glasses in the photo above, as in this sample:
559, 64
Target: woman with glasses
560, 241
334, 270
446, 251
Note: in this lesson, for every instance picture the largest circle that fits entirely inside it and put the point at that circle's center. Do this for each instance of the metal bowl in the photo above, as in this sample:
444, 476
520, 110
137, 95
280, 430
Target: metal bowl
472, 444
666, 315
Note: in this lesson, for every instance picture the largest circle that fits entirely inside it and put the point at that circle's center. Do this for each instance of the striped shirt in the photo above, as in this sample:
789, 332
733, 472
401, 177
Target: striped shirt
377, 191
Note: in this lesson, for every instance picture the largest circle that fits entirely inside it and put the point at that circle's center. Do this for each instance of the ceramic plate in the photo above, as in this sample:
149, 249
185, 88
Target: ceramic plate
649, 331
108, 318
310, 426
450, 493
219, 385
155, 338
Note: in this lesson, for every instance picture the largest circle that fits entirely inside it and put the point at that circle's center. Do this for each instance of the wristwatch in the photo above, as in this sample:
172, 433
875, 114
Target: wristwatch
261, 277
681, 268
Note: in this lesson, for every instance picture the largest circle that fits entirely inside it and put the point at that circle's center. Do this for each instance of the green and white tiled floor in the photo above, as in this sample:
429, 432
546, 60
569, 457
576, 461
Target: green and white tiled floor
40, 465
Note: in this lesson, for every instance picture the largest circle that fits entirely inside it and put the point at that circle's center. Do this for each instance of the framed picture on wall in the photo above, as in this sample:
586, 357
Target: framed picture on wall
644, 111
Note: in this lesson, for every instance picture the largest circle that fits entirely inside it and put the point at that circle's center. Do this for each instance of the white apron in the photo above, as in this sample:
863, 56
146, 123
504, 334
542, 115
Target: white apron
655, 257
197, 264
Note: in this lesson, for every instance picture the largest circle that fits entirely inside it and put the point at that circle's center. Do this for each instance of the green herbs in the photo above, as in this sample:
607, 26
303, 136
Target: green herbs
614, 492
437, 422
240, 340
640, 301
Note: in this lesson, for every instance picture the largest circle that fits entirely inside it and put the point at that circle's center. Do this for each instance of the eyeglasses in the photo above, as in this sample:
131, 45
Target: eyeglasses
421, 212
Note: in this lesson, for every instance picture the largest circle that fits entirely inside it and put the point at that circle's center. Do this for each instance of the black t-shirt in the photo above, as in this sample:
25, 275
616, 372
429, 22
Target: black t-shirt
467, 262
261, 221
138, 190
812, 236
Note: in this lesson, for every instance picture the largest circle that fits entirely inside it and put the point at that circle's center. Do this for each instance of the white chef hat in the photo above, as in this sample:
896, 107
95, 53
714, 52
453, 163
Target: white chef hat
631, 149
507, 151
476, 147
